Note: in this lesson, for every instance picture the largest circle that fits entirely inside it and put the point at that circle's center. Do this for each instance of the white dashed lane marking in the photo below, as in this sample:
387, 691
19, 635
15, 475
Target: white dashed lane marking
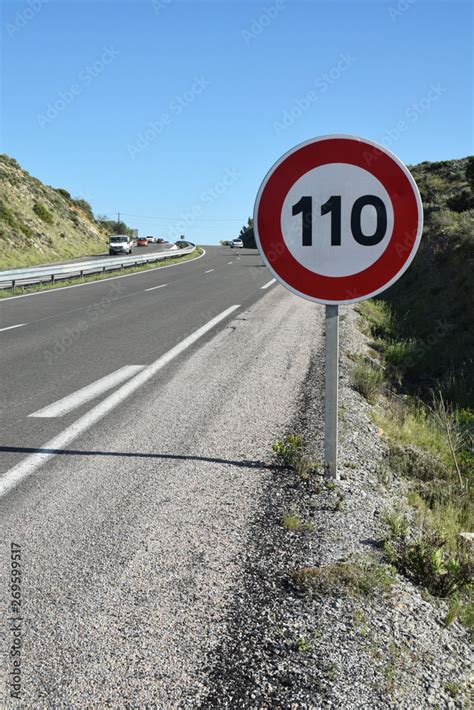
153, 288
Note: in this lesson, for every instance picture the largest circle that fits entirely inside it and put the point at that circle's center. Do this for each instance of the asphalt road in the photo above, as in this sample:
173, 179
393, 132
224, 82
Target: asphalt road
55, 343
131, 502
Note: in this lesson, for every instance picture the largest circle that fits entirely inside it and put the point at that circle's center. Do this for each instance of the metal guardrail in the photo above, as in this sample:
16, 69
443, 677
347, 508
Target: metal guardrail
42, 273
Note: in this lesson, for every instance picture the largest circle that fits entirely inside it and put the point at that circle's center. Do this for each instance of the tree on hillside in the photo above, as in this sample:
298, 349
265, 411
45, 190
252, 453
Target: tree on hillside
246, 227
247, 235
112, 226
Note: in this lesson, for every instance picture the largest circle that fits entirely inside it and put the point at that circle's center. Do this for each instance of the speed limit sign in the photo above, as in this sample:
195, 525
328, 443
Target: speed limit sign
337, 219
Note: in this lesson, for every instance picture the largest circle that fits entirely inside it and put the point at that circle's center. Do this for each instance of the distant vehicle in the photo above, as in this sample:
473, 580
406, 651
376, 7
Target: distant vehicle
161, 241
151, 240
236, 243
142, 242
182, 244
120, 244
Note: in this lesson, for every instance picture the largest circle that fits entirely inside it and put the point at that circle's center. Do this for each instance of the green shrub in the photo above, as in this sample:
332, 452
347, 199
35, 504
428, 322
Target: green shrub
64, 193
6, 215
461, 201
43, 213
425, 557
25, 229
85, 207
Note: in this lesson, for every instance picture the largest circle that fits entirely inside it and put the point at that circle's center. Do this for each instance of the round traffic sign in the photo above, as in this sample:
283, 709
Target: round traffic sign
338, 219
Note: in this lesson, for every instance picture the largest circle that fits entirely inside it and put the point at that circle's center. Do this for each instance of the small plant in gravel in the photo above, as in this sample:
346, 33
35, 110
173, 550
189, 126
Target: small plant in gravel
462, 610
303, 645
289, 449
368, 379
360, 622
360, 577
453, 689
389, 677
292, 521
383, 473
339, 504
331, 671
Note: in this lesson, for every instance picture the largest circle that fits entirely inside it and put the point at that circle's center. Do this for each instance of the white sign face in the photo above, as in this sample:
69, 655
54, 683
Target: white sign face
349, 183
338, 219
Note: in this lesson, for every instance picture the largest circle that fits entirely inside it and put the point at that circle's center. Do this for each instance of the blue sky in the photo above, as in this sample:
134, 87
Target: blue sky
172, 111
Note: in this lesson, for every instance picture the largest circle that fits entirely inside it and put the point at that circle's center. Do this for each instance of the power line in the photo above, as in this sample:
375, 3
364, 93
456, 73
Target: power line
193, 219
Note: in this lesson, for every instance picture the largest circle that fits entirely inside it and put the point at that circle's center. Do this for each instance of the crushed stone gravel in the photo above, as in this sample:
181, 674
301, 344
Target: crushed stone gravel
287, 649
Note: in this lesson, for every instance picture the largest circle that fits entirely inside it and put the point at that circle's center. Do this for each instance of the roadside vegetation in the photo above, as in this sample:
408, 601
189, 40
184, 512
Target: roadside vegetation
419, 375
47, 286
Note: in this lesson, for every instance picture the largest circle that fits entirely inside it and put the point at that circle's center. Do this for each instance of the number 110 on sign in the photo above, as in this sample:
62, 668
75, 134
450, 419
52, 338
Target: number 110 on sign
333, 207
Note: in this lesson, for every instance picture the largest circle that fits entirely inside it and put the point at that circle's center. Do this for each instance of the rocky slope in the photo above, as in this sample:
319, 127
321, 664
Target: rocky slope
40, 223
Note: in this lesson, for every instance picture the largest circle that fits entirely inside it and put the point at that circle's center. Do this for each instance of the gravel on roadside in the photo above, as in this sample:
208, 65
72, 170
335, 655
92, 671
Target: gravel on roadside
287, 649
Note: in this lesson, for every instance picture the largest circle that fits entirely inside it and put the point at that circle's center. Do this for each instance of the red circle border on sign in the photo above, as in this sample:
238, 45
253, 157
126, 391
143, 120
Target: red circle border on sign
407, 210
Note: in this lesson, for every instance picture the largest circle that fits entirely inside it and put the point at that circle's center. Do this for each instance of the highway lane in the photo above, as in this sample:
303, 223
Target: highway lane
69, 339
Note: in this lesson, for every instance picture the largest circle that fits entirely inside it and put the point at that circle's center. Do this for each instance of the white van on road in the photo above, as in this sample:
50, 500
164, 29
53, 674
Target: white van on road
120, 244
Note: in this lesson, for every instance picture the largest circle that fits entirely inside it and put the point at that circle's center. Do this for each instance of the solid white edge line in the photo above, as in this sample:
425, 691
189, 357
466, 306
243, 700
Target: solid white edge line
33, 462
268, 284
153, 288
99, 281
10, 327
85, 394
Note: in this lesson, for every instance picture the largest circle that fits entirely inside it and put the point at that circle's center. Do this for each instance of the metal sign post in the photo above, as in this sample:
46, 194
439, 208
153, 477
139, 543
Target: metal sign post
331, 391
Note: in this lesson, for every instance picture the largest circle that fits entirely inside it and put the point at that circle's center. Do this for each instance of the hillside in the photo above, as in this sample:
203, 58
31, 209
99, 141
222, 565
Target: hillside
40, 223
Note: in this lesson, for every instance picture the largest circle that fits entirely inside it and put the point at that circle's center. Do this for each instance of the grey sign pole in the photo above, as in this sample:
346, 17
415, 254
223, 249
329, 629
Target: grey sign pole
331, 393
